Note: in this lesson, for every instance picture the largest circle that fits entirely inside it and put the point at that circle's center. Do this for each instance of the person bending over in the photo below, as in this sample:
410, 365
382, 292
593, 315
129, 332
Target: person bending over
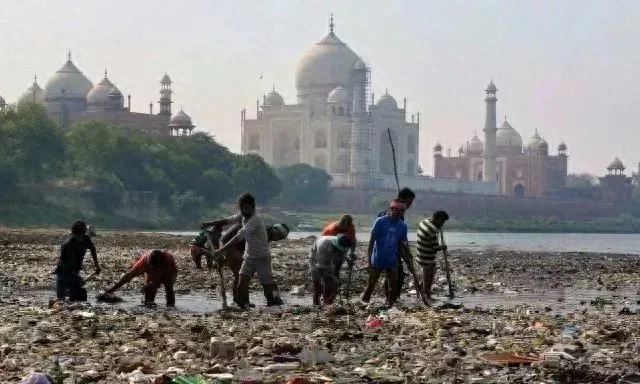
326, 253
160, 269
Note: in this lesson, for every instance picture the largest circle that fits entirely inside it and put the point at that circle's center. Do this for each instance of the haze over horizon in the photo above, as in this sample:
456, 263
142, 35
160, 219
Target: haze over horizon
567, 68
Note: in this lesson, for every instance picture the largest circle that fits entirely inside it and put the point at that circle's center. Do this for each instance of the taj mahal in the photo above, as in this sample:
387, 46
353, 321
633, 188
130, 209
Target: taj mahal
337, 125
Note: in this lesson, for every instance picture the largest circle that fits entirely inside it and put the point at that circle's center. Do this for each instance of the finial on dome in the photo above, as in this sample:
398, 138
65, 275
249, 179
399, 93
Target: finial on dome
386, 91
331, 23
69, 55
273, 87
505, 117
35, 79
105, 72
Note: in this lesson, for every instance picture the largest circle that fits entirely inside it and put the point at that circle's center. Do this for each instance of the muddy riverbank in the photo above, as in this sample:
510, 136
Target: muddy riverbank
508, 301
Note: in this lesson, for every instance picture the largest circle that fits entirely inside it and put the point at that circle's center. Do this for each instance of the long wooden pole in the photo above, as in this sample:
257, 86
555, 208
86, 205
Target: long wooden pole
446, 265
393, 155
223, 291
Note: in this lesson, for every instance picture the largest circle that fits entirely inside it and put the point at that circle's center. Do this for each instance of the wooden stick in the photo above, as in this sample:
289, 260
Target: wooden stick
223, 291
446, 265
393, 155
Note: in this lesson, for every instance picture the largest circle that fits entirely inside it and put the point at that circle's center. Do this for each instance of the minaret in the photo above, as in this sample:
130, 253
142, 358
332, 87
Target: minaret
360, 173
490, 129
165, 95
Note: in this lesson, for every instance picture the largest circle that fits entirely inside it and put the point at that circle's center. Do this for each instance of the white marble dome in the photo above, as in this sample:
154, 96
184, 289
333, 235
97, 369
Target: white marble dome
508, 137
180, 120
100, 92
70, 80
387, 101
33, 94
328, 63
274, 98
339, 95
475, 146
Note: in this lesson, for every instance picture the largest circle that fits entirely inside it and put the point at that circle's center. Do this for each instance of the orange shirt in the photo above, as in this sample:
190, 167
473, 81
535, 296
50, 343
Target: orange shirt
156, 276
333, 229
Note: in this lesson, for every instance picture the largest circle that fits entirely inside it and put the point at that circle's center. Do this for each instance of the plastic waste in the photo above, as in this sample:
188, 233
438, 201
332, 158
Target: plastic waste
375, 323
37, 378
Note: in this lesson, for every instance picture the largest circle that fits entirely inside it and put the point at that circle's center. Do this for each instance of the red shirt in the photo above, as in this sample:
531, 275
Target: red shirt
333, 229
156, 276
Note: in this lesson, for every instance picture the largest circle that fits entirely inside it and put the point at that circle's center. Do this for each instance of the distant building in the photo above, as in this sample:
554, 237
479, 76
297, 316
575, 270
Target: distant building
519, 170
335, 125
69, 97
615, 185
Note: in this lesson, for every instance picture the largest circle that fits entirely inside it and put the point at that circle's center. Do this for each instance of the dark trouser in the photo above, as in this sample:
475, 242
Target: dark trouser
390, 290
151, 288
70, 284
428, 273
326, 286
399, 282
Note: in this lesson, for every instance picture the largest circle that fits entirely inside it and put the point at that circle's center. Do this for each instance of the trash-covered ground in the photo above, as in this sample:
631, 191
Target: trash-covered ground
559, 318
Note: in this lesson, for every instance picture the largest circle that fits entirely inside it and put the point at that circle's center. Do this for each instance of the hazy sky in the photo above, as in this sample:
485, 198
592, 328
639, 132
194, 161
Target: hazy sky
569, 68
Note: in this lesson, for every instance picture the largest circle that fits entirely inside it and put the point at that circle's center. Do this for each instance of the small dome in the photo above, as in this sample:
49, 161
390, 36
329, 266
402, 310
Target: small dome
339, 95
534, 142
475, 146
33, 94
115, 92
180, 120
387, 101
273, 98
100, 92
508, 137
165, 79
69, 81
491, 87
437, 147
616, 165
562, 146
544, 144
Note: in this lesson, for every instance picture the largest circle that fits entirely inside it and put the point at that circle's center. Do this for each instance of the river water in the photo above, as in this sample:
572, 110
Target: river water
544, 242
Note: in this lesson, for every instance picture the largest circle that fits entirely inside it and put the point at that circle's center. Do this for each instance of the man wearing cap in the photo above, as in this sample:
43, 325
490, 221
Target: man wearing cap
326, 253
388, 237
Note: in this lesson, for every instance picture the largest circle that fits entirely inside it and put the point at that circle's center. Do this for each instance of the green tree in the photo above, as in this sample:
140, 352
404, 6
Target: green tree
215, 186
188, 205
581, 180
304, 184
253, 175
32, 142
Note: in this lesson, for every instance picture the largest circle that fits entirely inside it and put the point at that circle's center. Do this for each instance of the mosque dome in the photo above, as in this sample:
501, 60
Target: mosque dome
180, 120
328, 63
491, 87
476, 146
534, 142
387, 101
616, 165
68, 79
33, 94
562, 146
100, 92
437, 147
339, 95
165, 79
507, 136
274, 98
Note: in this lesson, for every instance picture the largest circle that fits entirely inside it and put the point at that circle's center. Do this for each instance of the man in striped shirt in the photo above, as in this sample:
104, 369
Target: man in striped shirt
428, 246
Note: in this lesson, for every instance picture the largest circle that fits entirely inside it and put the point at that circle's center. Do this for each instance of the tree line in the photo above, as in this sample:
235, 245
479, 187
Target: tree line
189, 174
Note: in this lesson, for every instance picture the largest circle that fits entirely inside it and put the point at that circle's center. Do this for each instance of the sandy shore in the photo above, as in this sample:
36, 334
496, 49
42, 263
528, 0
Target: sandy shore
515, 302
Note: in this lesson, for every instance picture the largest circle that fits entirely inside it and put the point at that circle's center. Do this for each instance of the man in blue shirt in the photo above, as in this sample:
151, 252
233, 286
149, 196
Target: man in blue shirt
388, 237
406, 196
